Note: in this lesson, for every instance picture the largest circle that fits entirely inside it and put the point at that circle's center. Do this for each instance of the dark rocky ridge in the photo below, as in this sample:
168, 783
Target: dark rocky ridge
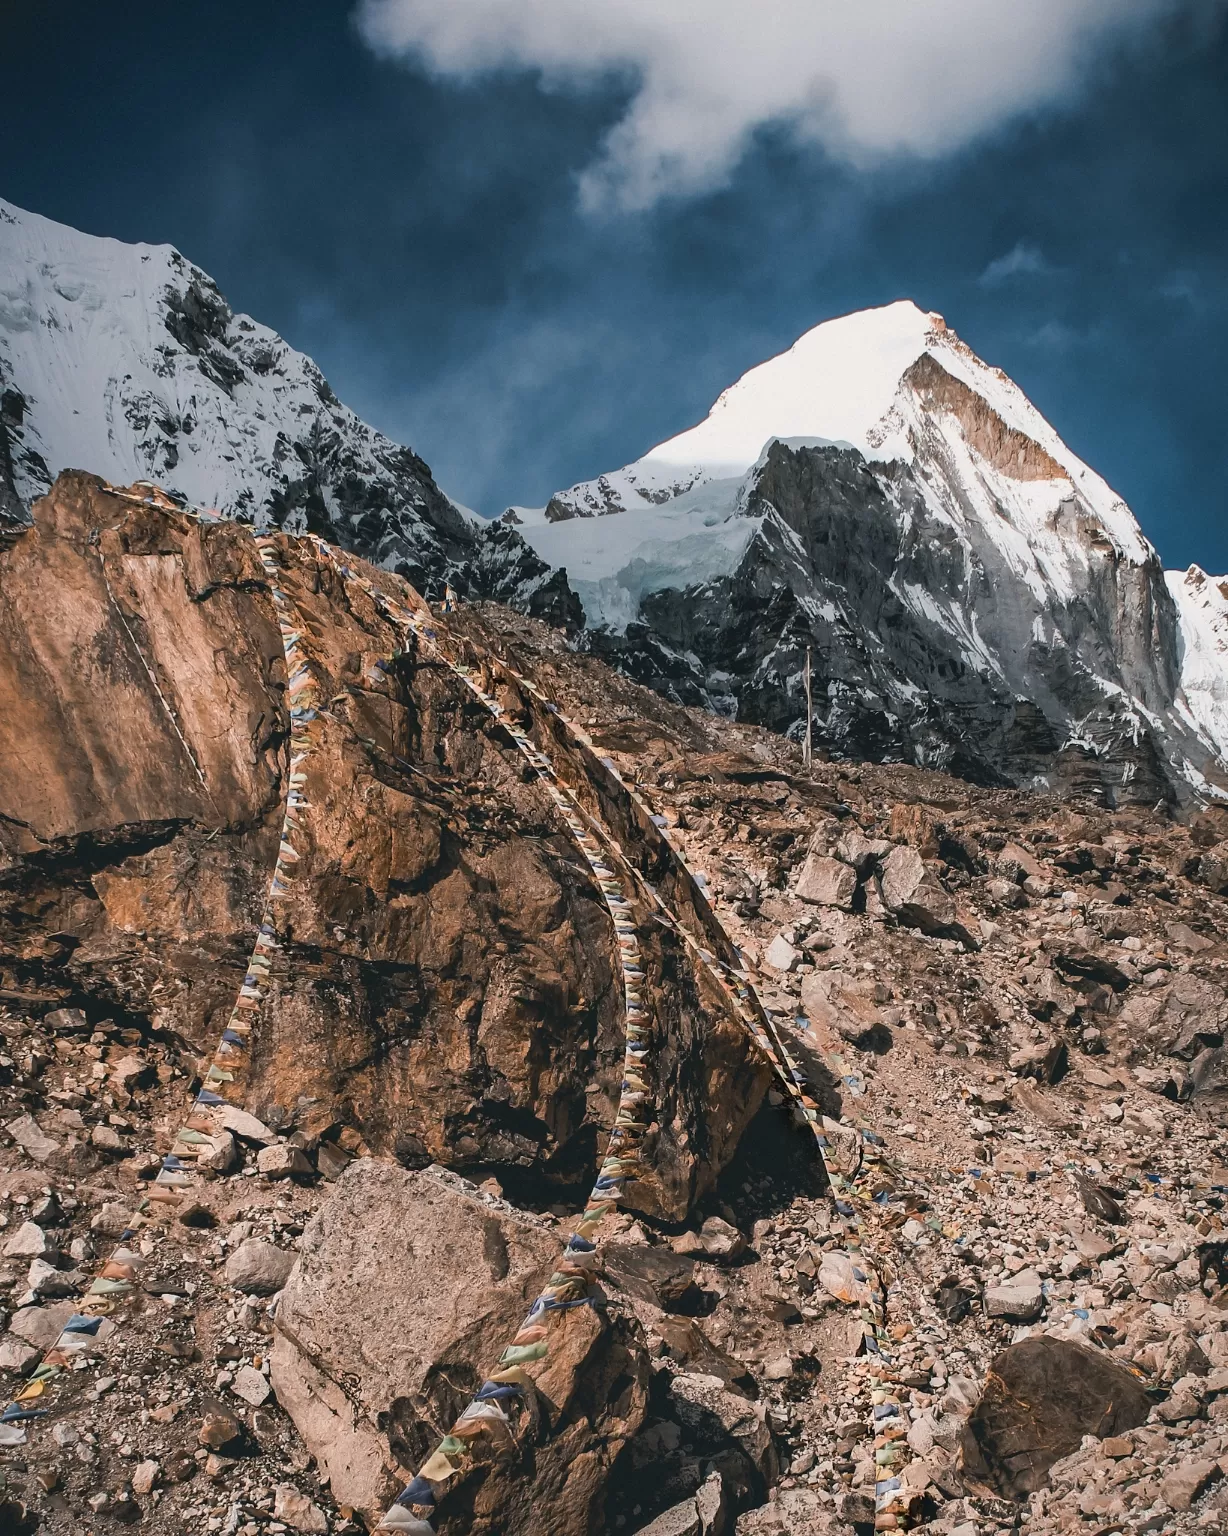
843, 544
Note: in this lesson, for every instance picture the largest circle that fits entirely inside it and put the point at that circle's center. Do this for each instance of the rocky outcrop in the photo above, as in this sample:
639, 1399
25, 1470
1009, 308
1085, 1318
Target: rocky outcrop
449, 984
374, 1359
853, 561
1041, 1397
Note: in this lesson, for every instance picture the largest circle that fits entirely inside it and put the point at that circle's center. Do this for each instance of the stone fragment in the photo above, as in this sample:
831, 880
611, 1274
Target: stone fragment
861, 852
66, 1021
1187, 1481
110, 1219
295, 1509
1005, 893
131, 1072
107, 1139
781, 955
28, 1135
48, 1211
827, 882
41, 1326
721, 1240
259, 1268
913, 894
17, 1356
331, 1160
681, 1520
220, 1430
28, 1242
282, 1162
420, 1280
230, 1118
856, 1508
1041, 1397
715, 1514
698, 1399
145, 1477
659, 1276
251, 1385
45, 1281
220, 1154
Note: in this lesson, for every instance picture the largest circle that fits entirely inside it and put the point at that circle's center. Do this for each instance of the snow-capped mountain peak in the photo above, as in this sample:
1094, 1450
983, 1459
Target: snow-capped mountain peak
902, 509
127, 361
835, 383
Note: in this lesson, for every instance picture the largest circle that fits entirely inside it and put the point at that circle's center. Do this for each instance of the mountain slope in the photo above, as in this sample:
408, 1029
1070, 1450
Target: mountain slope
975, 597
126, 360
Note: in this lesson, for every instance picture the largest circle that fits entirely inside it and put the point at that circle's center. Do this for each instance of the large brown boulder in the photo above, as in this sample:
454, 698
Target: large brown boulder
408, 1288
449, 982
1041, 1397
913, 894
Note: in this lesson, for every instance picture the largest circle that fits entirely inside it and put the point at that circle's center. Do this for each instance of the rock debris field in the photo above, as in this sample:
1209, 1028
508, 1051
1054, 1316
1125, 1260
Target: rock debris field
1024, 998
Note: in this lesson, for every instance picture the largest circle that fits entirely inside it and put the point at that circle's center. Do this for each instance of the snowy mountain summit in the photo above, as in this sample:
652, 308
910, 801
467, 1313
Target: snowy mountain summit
975, 597
126, 360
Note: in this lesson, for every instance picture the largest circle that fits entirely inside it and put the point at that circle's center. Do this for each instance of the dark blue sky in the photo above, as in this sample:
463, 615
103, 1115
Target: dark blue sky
424, 242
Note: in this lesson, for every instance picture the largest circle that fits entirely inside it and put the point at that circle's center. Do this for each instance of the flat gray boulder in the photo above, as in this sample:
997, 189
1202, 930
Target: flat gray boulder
409, 1286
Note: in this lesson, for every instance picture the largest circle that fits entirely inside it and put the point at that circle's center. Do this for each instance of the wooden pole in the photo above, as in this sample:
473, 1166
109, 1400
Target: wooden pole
806, 750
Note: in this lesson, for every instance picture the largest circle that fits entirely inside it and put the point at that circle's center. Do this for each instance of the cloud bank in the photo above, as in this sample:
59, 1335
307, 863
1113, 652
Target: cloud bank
866, 79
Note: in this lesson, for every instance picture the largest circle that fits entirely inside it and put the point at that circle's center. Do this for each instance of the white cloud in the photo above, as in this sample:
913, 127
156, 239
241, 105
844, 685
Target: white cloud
1023, 260
868, 79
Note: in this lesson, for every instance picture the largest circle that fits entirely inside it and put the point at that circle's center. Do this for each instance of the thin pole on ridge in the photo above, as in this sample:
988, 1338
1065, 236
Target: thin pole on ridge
807, 746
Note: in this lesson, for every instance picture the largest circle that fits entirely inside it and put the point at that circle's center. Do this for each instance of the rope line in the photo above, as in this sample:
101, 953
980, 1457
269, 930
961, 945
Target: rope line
116, 1280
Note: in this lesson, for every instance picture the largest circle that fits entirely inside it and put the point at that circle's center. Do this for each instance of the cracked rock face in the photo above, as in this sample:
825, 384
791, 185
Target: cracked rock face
367, 1288
450, 982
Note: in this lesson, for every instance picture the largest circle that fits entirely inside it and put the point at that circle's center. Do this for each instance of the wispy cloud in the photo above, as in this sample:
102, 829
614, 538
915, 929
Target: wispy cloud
866, 81
1022, 260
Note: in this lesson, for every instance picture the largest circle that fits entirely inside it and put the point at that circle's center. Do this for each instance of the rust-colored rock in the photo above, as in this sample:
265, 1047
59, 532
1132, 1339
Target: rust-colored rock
449, 983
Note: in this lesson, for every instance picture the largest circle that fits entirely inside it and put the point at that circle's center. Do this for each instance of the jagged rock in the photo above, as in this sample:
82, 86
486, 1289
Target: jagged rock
41, 1326
715, 1516
296, 1510
827, 882
426, 839
28, 1242
702, 1403
251, 1385
425, 1282
1187, 1481
1015, 1303
657, 1275
862, 852
913, 894
219, 1429
229, 1117
781, 955
848, 1013
283, 1161
1041, 1397
721, 1240
220, 1154
29, 1136
18, 1357
258, 1268
682, 1520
